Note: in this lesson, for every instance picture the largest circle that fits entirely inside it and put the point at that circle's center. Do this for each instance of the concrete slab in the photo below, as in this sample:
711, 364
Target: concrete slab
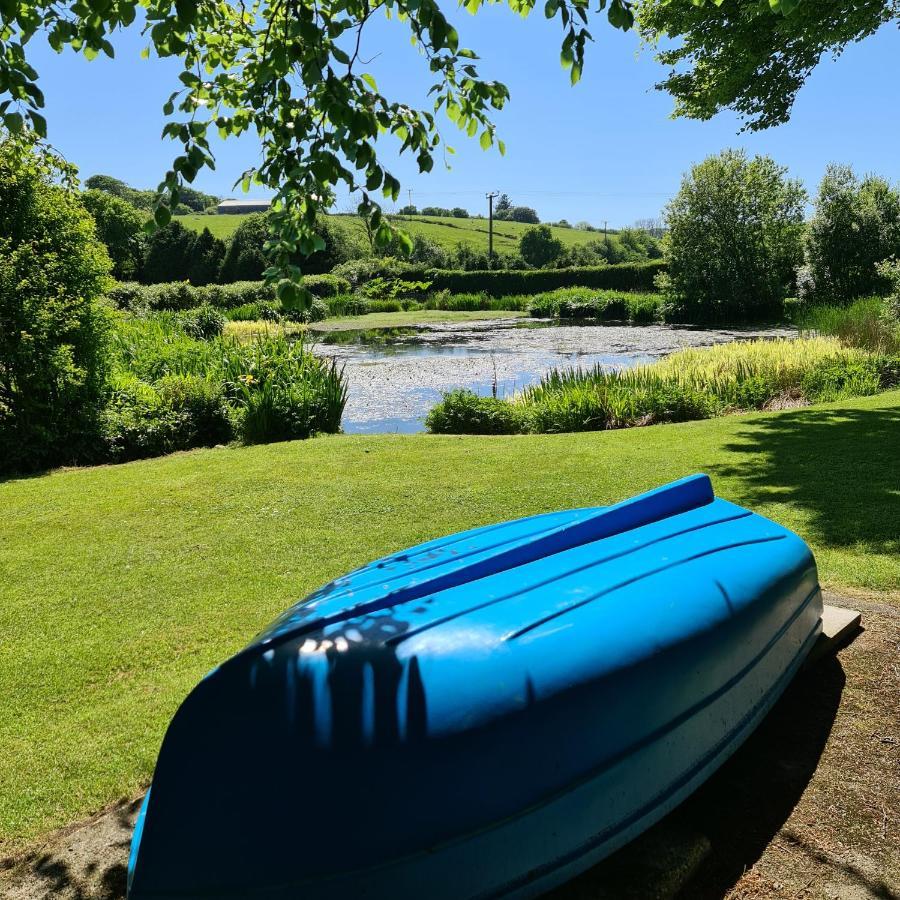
839, 626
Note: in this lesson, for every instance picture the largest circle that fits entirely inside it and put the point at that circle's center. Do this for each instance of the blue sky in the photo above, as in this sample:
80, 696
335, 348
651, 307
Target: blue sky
604, 150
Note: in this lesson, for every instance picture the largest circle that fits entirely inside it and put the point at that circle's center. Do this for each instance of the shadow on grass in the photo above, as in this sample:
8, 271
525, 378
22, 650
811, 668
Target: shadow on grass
705, 845
842, 467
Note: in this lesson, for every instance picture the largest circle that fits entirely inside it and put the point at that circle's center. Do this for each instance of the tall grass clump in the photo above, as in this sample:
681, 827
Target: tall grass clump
281, 390
178, 384
691, 384
872, 323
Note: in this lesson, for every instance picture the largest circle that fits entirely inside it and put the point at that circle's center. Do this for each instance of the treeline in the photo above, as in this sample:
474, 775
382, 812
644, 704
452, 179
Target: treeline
191, 201
738, 244
504, 211
177, 253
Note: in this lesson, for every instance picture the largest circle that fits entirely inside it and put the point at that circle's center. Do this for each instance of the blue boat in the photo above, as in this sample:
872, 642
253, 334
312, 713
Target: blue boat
485, 715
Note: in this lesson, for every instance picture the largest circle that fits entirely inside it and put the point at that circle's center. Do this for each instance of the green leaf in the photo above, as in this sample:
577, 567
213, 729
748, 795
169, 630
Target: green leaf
162, 215
39, 123
487, 139
13, 121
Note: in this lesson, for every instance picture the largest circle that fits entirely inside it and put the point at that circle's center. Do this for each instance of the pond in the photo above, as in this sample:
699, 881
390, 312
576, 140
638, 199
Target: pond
397, 374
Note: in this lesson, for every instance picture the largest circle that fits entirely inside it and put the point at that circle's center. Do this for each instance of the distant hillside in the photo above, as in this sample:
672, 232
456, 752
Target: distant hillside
447, 232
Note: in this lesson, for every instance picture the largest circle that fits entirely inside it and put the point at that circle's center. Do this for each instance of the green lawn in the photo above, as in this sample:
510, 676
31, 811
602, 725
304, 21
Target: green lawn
123, 585
444, 231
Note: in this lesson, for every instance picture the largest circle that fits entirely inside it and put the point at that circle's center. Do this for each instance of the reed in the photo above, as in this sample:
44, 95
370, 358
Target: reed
695, 383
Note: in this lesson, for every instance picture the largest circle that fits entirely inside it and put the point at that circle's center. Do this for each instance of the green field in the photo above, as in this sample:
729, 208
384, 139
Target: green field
444, 231
123, 585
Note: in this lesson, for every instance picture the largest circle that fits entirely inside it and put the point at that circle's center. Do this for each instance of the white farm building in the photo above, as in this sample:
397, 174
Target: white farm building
239, 207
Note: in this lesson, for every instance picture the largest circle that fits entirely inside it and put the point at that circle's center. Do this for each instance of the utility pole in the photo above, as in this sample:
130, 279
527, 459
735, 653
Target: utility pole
490, 199
409, 194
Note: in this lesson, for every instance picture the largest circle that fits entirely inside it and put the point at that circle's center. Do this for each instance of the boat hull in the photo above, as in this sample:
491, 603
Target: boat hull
485, 716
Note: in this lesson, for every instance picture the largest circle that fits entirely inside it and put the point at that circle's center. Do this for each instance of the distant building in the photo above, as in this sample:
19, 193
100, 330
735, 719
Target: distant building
239, 207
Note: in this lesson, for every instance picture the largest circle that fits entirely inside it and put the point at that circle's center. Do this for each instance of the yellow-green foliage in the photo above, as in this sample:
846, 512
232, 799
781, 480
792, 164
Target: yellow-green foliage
691, 384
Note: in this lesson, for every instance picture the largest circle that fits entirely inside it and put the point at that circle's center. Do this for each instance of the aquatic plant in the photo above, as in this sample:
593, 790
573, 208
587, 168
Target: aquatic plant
691, 384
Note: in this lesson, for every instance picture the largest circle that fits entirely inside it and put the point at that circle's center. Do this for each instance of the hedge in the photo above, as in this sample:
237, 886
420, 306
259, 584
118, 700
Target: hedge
503, 282
180, 295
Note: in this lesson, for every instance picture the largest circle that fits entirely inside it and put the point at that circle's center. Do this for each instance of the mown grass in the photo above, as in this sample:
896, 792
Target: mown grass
121, 586
446, 232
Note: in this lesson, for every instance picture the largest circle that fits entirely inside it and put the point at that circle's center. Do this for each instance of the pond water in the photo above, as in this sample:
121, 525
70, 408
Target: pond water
397, 374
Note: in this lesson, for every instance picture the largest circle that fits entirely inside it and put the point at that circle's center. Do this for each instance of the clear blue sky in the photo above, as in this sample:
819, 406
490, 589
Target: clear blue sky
605, 149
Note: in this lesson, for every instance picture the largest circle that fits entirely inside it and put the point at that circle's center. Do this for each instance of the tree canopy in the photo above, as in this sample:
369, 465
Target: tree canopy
735, 238
291, 70
735, 54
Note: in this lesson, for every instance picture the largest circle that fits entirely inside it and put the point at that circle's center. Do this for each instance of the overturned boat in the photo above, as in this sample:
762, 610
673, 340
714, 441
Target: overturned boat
484, 715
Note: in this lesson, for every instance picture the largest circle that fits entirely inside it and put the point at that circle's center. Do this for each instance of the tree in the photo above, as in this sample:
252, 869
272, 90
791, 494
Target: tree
290, 70
409, 210
751, 56
117, 188
522, 214
502, 206
856, 225
169, 254
121, 228
539, 247
245, 258
205, 258
53, 271
735, 238
459, 213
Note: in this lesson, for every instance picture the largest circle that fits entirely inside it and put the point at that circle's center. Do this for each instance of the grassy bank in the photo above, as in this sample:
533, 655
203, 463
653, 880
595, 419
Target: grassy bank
121, 586
697, 383
244, 330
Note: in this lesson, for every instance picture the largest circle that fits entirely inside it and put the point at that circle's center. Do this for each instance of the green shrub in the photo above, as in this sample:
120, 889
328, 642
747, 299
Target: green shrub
121, 229
177, 413
53, 329
465, 412
539, 247
169, 254
856, 224
207, 254
180, 295
203, 323
326, 285
585, 303
358, 271
245, 259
